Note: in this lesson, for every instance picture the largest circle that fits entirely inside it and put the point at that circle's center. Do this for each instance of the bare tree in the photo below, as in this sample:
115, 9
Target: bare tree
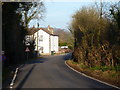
30, 11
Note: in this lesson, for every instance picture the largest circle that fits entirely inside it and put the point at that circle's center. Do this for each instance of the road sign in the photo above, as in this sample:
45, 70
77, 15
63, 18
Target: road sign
27, 49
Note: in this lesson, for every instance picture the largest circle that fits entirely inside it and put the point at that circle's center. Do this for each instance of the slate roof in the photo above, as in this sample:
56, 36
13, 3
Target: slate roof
33, 30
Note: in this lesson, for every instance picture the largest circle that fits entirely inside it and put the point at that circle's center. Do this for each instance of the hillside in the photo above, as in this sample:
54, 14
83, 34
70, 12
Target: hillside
65, 37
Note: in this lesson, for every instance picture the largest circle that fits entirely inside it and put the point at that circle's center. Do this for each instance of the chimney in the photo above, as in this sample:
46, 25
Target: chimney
50, 29
37, 25
33, 26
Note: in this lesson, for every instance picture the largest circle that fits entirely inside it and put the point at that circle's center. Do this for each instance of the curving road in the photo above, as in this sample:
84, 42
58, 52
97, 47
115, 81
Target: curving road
51, 72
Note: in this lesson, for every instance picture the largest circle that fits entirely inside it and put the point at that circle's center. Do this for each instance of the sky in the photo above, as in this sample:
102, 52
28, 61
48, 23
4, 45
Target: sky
58, 14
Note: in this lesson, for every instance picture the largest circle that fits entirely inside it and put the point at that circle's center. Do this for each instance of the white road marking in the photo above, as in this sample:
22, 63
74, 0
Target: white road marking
12, 83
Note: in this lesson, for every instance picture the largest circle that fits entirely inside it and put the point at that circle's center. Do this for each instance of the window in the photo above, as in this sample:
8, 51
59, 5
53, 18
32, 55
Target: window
41, 38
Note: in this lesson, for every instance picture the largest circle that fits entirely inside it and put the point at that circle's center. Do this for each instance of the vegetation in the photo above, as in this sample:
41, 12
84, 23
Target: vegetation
65, 38
97, 37
30, 11
97, 41
104, 73
15, 19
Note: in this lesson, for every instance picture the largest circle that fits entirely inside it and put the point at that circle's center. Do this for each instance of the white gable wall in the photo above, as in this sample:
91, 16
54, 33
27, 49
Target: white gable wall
44, 43
54, 43
47, 42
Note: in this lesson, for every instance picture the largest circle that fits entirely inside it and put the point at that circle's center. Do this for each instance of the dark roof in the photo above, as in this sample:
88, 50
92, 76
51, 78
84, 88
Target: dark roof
33, 30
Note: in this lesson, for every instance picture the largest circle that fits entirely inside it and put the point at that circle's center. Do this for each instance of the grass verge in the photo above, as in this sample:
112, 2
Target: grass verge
106, 74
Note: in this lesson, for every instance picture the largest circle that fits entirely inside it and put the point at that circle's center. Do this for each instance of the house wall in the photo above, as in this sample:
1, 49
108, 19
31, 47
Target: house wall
54, 43
43, 43
48, 42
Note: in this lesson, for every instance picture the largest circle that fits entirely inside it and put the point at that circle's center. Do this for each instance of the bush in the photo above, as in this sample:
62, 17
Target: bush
92, 35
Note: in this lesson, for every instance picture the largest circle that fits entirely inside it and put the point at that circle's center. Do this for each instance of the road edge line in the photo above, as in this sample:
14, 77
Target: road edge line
15, 75
91, 77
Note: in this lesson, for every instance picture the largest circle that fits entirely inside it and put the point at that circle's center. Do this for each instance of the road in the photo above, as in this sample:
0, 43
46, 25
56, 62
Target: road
51, 72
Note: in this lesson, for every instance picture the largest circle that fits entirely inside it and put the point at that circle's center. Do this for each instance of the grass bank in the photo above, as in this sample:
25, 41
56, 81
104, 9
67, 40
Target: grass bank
110, 75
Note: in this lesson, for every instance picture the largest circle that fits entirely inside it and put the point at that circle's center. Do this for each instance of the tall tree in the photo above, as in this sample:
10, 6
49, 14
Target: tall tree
12, 33
30, 11
16, 16
115, 12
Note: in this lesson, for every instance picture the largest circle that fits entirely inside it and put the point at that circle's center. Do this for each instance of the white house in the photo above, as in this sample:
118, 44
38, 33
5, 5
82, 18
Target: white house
45, 40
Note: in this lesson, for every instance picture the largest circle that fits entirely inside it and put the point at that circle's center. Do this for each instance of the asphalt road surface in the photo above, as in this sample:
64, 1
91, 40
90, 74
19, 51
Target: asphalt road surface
51, 72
